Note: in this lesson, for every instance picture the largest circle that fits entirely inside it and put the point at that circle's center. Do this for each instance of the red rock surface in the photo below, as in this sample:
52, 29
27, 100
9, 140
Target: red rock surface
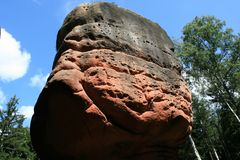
115, 91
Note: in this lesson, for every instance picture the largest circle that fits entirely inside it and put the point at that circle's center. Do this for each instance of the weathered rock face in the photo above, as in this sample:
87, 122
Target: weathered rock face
115, 92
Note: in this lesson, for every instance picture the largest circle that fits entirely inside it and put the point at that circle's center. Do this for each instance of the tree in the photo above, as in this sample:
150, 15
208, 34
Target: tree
15, 141
194, 148
211, 52
205, 134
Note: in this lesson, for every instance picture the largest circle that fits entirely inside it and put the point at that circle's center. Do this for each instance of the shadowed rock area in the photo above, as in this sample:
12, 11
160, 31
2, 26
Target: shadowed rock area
115, 91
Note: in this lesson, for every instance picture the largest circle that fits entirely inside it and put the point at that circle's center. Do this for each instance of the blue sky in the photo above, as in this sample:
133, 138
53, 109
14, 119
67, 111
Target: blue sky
29, 28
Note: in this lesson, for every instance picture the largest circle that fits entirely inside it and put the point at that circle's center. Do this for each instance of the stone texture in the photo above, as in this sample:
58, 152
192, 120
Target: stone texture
115, 91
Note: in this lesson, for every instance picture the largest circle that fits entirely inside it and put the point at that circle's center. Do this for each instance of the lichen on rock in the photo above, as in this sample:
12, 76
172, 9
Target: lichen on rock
115, 91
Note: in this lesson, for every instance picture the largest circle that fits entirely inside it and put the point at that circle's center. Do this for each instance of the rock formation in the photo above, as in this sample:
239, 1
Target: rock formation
115, 91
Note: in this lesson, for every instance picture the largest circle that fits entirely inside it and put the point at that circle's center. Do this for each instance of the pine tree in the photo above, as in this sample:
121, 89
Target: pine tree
15, 141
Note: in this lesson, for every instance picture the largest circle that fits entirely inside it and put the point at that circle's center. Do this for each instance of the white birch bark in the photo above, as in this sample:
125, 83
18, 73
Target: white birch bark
195, 148
215, 153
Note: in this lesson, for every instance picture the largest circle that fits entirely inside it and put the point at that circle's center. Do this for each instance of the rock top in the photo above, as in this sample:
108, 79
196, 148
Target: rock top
115, 91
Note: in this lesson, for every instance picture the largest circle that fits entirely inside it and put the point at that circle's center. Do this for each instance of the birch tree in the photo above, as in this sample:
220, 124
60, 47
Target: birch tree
210, 51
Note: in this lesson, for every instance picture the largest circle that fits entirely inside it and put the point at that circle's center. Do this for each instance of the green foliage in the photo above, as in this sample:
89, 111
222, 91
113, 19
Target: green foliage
211, 52
15, 141
204, 131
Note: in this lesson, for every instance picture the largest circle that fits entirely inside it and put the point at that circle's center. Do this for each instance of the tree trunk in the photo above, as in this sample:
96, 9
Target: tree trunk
215, 153
225, 101
194, 148
233, 112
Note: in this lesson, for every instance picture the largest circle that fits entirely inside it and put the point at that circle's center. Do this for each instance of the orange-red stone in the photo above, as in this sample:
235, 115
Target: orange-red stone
115, 91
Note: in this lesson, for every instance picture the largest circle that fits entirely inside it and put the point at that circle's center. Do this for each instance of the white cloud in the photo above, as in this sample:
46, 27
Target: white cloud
14, 61
198, 88
27, 111
38, 80
2, 99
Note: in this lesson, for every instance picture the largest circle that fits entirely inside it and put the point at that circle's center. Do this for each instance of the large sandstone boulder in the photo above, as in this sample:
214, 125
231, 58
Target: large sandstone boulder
115, 91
